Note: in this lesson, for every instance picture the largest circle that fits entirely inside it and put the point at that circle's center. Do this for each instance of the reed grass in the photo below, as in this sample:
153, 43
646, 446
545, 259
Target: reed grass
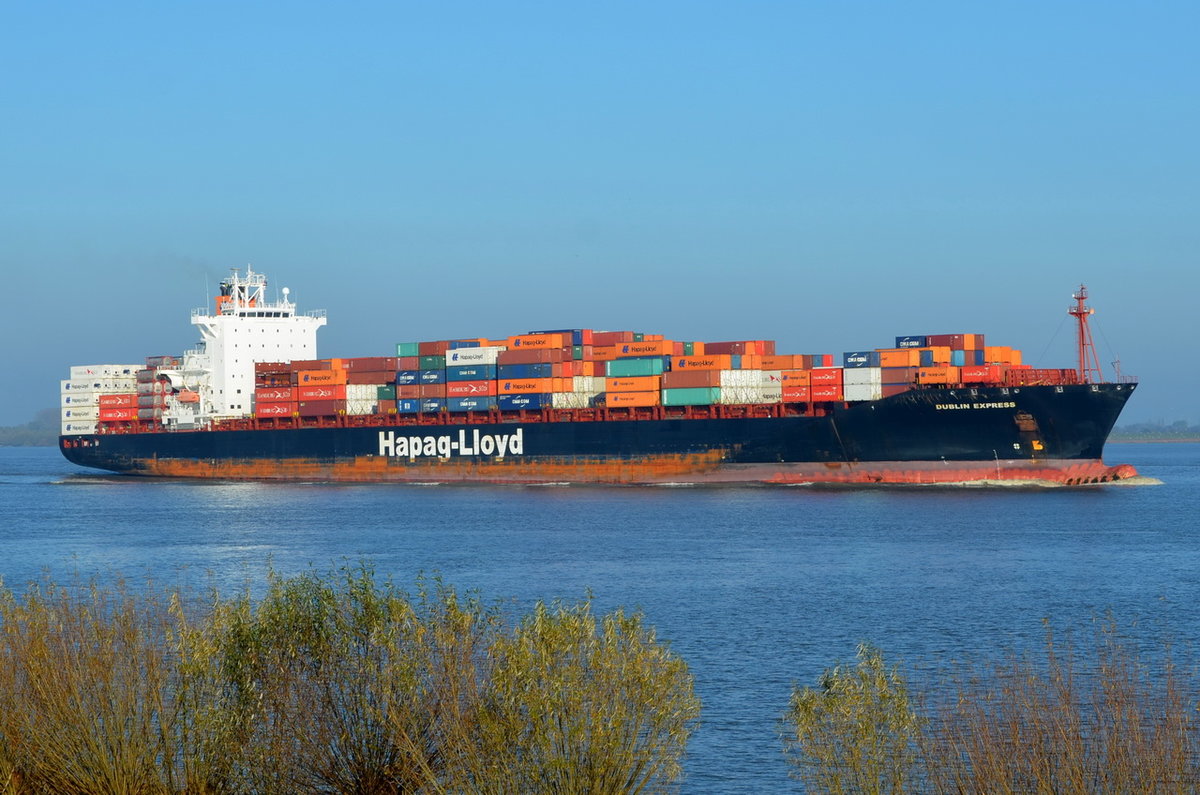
340, 683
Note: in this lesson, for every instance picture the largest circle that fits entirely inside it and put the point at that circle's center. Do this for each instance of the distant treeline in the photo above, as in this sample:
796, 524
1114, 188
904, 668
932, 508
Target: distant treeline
42, 431
1178, 431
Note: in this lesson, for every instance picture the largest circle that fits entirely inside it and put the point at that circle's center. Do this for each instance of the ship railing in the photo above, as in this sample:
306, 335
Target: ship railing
315, 313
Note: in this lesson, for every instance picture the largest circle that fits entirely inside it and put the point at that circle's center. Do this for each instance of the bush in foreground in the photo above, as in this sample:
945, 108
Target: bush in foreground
1075, 721
338, 684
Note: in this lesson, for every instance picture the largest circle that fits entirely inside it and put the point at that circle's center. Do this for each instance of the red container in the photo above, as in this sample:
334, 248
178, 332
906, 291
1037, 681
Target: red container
408, 391
408, 362
435, 348
117, 401
982, 374
432, 390
796, 393
267, 410
118, 414
272, 368
826, 393
321, 408
321, 392
955, 342
900, 375
375, 363
370, 376
825, 376
470, 388
895, 389
532, 356
610, 337
274, 394
311, 364
691, 379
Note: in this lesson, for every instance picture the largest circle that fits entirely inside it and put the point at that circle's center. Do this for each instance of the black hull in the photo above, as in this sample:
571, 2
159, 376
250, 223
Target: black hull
924, 435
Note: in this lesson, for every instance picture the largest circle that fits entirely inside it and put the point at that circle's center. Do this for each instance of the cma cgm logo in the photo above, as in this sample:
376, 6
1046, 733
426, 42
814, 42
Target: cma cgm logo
445, 446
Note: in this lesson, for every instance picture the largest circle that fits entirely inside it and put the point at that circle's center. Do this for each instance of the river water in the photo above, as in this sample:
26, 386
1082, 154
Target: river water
757, 588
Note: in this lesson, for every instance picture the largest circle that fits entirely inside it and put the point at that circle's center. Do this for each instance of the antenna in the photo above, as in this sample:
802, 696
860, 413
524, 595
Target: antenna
1089, 363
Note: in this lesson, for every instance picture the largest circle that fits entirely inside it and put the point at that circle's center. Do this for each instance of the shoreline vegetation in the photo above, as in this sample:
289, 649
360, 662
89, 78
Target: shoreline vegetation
346, 683
42, 431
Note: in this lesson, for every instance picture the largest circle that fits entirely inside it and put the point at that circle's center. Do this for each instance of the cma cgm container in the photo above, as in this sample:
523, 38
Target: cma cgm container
625, 407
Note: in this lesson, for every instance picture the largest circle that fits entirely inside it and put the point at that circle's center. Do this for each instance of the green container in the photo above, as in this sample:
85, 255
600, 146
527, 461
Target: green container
689, 349
408, 349
577, 352
624, 368
692, 396
639, 337
432, 363
386, 392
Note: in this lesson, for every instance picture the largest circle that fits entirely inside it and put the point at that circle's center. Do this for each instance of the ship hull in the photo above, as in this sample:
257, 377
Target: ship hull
927, 436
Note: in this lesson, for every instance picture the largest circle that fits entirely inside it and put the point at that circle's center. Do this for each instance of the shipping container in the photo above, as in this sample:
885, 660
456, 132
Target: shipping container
525, 401
795, 378
853, 393
825, 376
432, 391
374, 377
407, 405
321, 392
470, 388
433, 348
532, 355
431, 376
958, 357
860, 359
406, 377
706, 362
432, 362
938, 375
432, 405
654, 348
362, 392
578, 336
900, 375
117, 400
476, 403
471, 372
408, 349
274, 394
458, 345
691, 379
89, 413
385, 392
408, 362
85, 371
796, 393
900, 357
532, 385
408, 391
911, 342
118, 414
632, 399
311, 377
321, 408
276, 409
862, 375
629, 367
531, 370
603, 338
484, 355
526, 341
825, 393
369, 363
642, 383
691, 396
982, 374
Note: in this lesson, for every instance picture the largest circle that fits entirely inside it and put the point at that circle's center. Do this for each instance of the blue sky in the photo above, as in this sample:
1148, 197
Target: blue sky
829, 175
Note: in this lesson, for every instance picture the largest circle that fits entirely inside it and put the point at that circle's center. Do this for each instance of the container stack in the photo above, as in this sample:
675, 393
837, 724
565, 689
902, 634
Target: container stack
324, 387
96, 393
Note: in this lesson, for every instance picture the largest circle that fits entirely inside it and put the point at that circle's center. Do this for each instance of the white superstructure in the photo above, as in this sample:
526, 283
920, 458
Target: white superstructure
246, 328
213, 381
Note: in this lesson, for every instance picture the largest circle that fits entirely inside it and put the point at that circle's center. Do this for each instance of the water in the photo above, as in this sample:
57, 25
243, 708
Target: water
758, 589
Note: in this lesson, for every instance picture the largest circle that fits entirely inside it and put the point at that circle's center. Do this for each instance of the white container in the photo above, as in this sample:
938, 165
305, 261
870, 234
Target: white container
571, 400
740, 378
80, 413
73, 428
361, 406
588, 383
862, 375
361, 392
856, 392
79, 399
750, 394
483, 355
86, 371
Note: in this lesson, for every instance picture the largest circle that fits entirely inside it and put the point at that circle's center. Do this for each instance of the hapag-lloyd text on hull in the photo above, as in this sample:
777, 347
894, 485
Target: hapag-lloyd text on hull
465, 443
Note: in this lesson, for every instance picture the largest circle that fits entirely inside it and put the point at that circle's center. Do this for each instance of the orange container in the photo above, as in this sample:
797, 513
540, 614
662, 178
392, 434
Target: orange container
470, 388
782, 362
539, 341
719, 361
634, 398
941, 353
691, 379
796, 378
320, 392
313, 377
604, 353
658, 347
644, 383
522, 386
899, 357
272, 394
982, 374
825, 376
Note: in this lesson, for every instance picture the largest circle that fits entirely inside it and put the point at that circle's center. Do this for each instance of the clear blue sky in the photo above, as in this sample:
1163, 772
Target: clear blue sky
829, 175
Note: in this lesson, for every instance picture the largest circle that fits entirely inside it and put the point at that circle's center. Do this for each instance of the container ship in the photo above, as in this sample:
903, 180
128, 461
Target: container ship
253, 401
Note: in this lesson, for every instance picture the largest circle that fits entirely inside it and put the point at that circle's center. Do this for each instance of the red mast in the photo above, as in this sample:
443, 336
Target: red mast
1089, 363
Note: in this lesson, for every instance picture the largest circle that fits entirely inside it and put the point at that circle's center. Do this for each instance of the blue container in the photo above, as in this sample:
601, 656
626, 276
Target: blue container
408, 377
432, 377
432, 404
977, 357
482, 403
926, 358
910, 342
536, 400
456, 344
736, 364
860, 359
531, 370
958, 358
408, 406
471, 372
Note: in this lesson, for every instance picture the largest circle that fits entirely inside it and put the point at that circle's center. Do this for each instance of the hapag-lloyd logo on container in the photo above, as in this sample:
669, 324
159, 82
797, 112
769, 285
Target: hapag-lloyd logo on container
447, 445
